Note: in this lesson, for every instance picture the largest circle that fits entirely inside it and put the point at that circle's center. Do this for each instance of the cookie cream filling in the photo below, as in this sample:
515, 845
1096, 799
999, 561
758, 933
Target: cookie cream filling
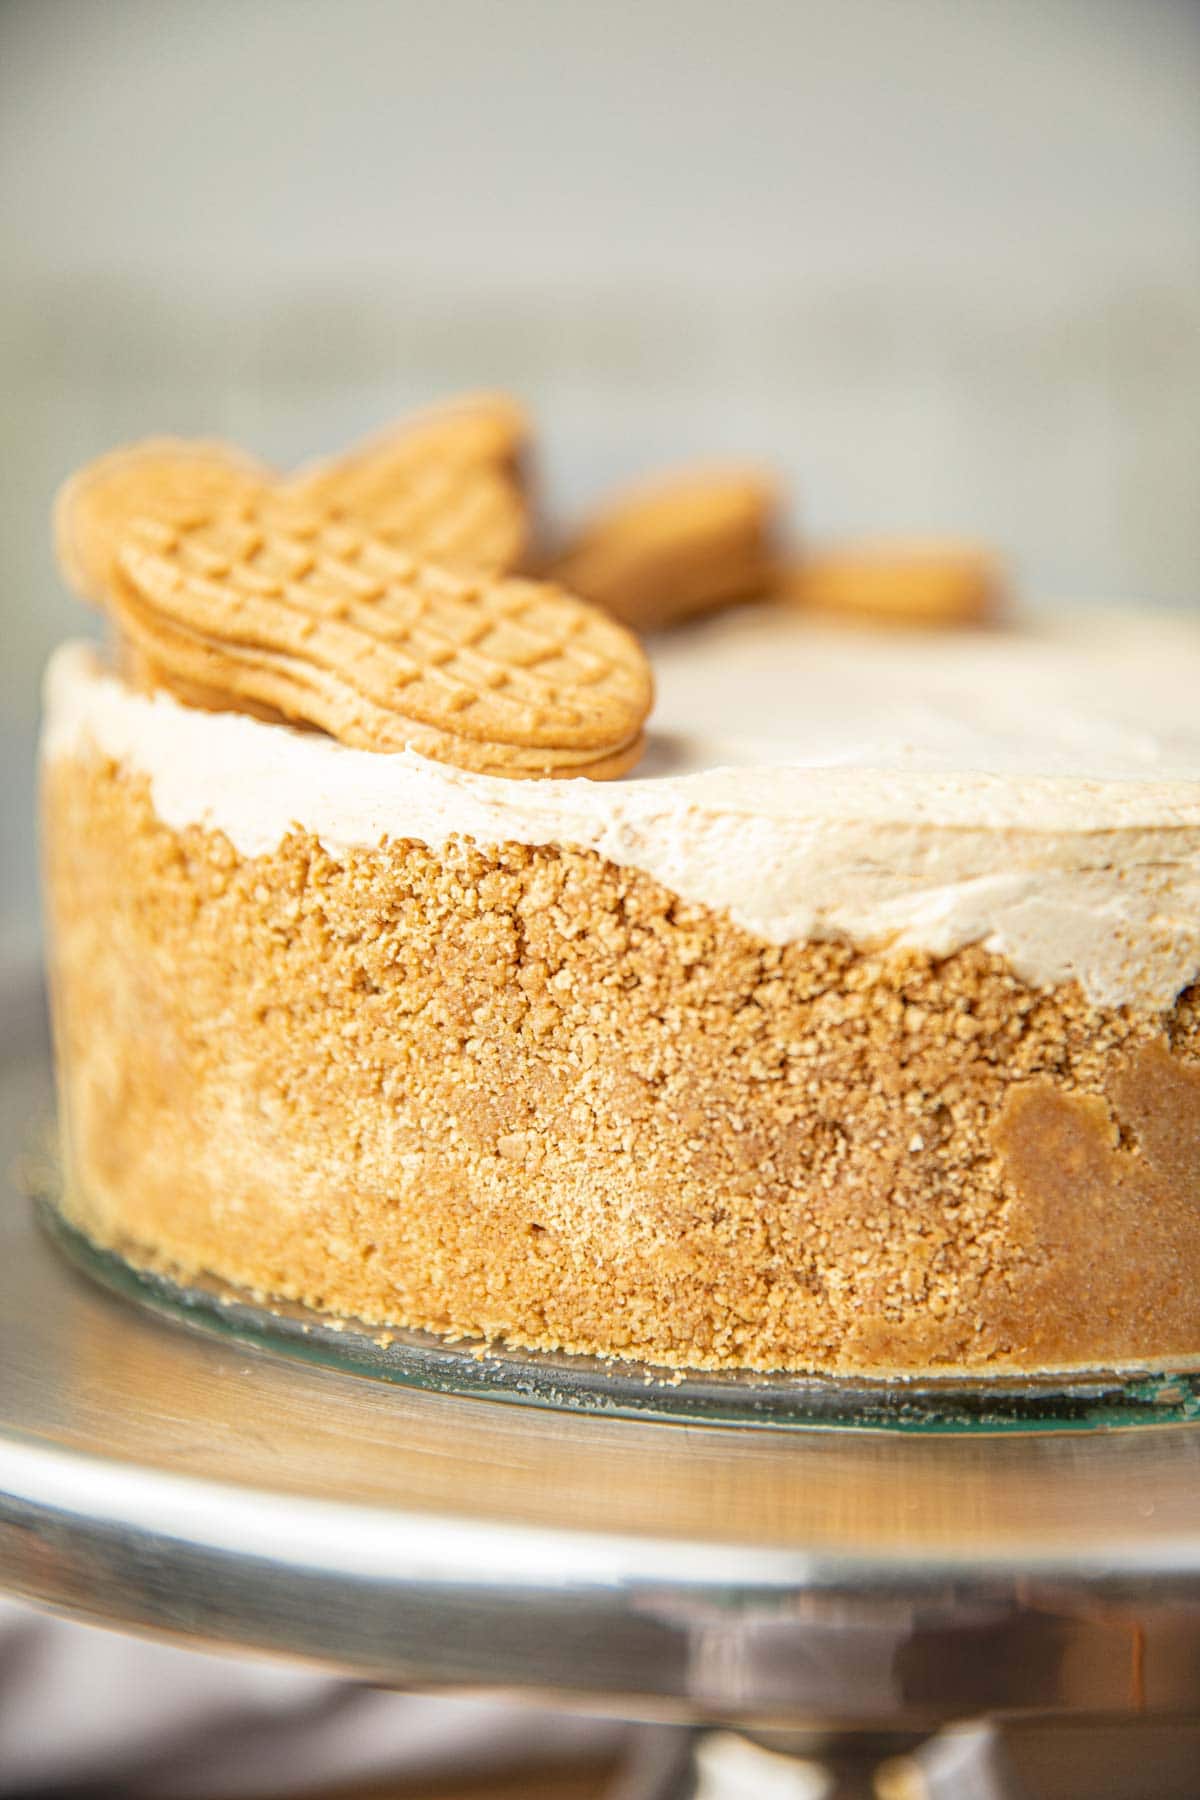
1037, 792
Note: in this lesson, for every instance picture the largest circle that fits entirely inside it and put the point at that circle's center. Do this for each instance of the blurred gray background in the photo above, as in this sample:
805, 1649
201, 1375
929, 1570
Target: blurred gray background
940, 259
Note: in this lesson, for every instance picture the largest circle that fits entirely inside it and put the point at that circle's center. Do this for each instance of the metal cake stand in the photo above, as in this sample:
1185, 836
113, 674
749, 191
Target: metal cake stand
191, 1484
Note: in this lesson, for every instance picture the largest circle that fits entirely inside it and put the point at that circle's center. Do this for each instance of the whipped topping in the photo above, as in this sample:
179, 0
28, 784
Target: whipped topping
1037, 792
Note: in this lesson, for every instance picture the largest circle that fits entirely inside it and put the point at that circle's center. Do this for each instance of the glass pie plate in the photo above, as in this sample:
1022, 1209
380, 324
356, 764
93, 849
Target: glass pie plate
1070, 1401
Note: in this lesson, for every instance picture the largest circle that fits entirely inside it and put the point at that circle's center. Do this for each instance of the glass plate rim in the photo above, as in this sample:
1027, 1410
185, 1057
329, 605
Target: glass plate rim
470, 1369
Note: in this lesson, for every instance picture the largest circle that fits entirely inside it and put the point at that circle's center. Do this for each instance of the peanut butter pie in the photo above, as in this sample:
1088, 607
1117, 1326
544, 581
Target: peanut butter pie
842, 1018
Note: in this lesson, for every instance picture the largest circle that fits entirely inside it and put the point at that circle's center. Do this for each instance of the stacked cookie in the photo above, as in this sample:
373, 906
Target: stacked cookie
373, 596
361, 597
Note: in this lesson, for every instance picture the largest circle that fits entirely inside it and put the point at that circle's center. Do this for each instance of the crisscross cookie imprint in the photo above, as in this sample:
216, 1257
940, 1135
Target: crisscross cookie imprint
317, 616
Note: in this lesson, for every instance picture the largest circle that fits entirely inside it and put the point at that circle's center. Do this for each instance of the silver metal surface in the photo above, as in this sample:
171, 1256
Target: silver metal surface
166, 1481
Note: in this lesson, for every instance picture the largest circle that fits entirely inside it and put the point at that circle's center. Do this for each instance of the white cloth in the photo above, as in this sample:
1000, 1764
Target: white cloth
80, 1706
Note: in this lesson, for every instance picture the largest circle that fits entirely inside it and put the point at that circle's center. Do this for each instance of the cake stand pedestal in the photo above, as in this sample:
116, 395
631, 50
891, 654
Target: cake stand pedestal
869, 1584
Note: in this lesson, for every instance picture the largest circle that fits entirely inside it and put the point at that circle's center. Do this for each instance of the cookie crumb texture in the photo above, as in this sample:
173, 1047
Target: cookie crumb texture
524, 1094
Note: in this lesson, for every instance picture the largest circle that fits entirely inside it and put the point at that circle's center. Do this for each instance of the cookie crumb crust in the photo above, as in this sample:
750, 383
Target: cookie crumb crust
524, 1094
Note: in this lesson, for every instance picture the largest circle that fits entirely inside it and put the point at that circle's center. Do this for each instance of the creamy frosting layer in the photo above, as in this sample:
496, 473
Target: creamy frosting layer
1036, 791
